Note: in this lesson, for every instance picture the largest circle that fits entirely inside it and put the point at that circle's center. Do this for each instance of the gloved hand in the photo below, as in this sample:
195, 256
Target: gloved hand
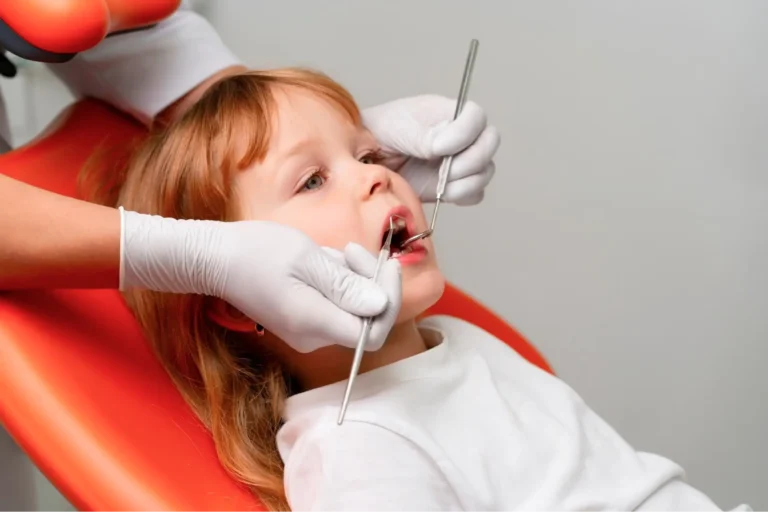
416, 133
308, 296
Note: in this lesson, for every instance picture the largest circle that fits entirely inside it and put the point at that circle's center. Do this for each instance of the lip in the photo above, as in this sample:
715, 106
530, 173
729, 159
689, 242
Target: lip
419, 250
402, 212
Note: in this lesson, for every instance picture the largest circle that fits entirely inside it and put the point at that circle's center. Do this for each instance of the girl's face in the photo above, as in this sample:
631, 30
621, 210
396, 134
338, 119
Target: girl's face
321, 176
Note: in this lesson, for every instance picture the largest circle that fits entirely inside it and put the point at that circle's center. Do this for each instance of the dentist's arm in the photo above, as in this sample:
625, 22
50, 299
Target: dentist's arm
276, 275
52, 241
152, 74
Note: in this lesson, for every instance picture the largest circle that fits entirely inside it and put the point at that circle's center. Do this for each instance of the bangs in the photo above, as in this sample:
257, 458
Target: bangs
244, 108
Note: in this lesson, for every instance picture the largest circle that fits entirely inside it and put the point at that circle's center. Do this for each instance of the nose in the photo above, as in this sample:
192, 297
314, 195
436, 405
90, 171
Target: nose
375, 179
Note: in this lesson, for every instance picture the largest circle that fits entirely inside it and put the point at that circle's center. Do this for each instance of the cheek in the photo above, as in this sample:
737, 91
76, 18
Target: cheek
331, 225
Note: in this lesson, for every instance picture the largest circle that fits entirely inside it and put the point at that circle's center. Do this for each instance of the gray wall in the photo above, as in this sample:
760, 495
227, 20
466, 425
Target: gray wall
626, 233
627, 230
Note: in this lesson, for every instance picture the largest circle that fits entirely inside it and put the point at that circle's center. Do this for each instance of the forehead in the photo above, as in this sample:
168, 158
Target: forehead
302, 115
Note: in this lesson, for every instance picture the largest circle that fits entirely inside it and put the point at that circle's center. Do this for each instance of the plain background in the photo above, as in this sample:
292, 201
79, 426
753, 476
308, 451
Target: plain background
626, 231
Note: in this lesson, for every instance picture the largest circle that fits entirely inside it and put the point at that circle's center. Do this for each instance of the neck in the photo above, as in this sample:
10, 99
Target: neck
332, 364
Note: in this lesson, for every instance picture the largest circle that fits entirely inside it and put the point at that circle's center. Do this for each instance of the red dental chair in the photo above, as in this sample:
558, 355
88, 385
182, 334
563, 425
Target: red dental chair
80, 390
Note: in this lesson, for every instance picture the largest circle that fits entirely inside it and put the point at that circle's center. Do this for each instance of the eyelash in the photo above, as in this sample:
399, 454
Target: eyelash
376, 155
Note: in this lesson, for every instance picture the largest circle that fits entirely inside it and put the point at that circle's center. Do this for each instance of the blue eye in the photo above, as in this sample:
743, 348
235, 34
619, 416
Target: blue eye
372, 158
314, 182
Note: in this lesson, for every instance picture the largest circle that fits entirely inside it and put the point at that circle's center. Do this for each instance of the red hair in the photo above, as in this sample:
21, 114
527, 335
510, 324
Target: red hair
186, 171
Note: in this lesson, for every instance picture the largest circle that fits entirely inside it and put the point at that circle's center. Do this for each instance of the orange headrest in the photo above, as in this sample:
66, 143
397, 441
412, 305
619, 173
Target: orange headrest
56, 30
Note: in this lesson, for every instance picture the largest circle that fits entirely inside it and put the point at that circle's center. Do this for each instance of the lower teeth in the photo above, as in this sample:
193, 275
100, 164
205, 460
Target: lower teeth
400, 252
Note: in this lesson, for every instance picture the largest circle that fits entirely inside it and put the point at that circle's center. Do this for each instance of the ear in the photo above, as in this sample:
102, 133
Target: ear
230, 317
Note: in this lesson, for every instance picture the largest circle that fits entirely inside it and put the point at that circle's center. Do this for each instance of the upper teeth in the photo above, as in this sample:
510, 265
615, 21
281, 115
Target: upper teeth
399, 225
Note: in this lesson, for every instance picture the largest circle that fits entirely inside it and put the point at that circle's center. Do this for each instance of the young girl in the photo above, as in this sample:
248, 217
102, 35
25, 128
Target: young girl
443, 417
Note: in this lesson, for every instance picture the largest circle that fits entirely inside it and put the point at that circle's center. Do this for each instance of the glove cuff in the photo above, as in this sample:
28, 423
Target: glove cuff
168, 255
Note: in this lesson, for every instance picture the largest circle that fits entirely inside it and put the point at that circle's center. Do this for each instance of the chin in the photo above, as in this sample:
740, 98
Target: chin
421, 290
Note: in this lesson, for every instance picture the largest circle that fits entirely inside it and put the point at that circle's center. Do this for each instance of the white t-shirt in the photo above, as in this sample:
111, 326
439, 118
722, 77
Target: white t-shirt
467, 425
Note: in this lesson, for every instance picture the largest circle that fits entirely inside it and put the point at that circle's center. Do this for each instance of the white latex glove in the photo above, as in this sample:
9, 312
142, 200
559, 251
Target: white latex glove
308, 296
416, 133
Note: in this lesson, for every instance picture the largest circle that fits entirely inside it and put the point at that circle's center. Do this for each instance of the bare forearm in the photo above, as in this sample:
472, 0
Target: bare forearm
52, 241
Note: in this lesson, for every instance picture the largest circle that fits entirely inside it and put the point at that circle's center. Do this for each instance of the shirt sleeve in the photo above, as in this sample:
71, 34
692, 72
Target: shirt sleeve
678, 495
361, 466
144, 72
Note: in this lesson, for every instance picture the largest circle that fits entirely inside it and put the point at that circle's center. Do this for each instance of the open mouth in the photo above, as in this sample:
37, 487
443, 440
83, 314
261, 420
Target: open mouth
401, 233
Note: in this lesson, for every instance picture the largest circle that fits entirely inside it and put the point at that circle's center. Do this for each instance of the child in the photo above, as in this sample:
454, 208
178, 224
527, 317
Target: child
443, 417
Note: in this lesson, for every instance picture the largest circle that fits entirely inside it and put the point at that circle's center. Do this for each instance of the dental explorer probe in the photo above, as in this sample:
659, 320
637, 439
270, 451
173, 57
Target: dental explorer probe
445, 166
362, 341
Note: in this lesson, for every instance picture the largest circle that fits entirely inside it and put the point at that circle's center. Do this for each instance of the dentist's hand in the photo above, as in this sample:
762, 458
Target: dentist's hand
416, 133
308, 296
361, 262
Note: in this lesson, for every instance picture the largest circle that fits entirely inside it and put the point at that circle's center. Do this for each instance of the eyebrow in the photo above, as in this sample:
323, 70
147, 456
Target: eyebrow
297, 148
285, 178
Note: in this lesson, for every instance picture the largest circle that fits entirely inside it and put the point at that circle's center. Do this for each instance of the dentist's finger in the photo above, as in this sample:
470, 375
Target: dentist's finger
343, 287
470, 190
476, 157
360, 260
457, 135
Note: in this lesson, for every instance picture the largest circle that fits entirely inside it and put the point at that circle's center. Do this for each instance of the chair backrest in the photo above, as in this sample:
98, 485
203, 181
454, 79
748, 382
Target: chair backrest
82, 392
